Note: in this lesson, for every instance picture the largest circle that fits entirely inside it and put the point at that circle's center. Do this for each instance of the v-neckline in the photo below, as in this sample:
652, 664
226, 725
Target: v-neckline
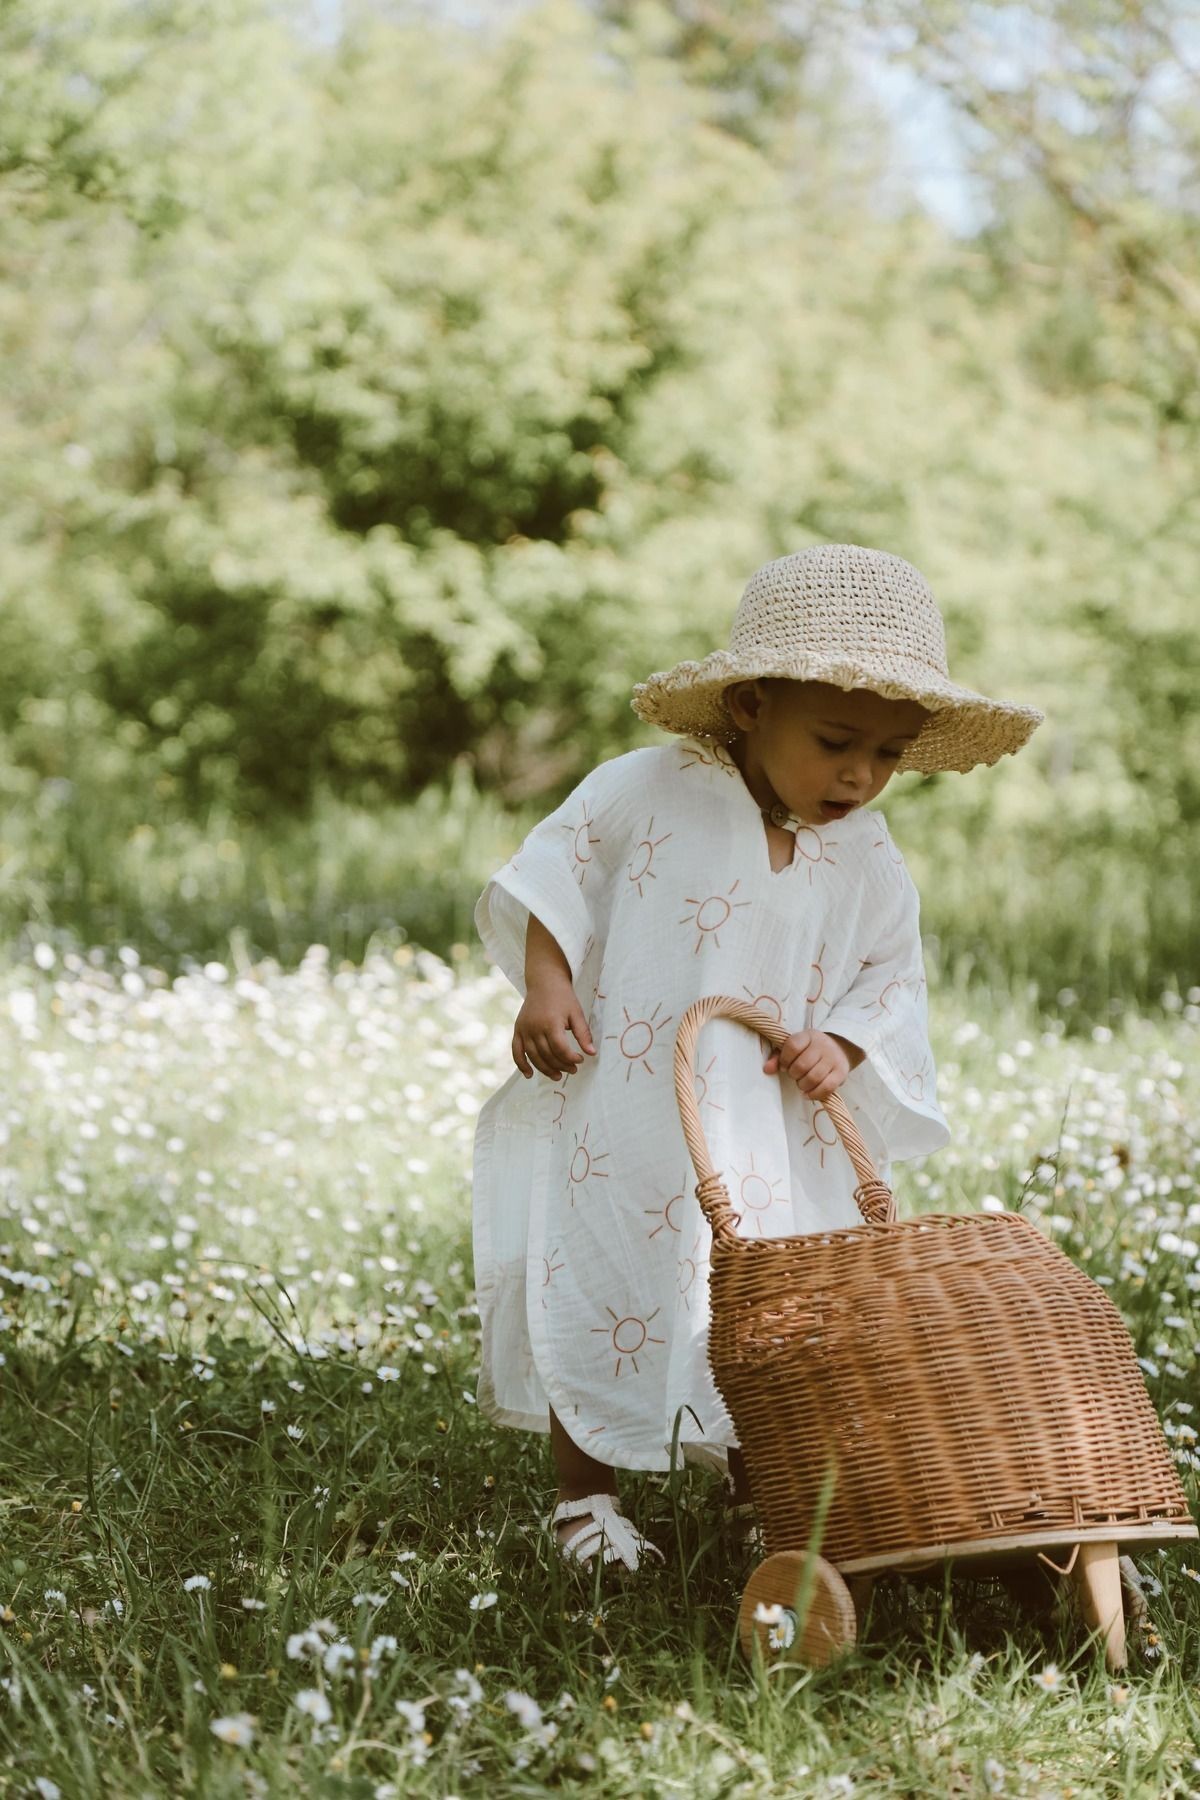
763, 839
791, 862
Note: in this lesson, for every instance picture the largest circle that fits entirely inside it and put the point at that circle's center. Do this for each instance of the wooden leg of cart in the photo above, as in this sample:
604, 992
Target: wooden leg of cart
1098, 1574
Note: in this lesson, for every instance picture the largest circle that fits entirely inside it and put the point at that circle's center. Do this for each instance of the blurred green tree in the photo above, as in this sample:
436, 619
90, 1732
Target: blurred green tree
406, 397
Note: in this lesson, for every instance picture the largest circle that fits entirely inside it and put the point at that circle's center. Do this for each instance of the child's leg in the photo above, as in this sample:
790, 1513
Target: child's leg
578, 1475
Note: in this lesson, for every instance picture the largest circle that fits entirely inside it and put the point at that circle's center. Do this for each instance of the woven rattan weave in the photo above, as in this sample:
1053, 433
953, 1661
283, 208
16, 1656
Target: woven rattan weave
969, 1384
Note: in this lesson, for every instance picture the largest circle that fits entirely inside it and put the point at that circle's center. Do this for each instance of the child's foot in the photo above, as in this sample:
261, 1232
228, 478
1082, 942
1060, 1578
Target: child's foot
566, 1529
593, 1525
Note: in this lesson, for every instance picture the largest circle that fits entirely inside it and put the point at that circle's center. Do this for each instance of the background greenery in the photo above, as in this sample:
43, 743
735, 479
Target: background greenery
386, 396
383, 397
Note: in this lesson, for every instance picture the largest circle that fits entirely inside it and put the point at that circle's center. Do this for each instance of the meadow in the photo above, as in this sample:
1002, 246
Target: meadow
257, 1537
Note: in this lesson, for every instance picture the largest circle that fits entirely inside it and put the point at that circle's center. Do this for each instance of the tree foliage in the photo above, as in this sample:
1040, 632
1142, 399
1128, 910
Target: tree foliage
405, 398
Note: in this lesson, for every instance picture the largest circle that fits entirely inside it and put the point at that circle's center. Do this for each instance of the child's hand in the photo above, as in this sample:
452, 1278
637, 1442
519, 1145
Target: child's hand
549, 1011
816, 1061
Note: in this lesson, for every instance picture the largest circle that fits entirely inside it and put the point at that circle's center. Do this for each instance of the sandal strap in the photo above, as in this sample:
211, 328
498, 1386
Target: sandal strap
608, 1531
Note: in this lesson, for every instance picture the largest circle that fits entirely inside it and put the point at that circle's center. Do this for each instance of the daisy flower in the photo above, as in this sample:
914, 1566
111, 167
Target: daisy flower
237, 1729
525, 1707
313, 1702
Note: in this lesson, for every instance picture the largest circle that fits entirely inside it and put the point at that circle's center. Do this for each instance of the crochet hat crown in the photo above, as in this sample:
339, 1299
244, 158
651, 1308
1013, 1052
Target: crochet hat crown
855, 618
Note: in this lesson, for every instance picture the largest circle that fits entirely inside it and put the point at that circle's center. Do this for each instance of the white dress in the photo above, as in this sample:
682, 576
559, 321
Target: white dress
590, 1247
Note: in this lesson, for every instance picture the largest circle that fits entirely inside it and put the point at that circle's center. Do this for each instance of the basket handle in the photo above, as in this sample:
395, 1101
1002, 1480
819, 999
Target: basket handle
874, 1199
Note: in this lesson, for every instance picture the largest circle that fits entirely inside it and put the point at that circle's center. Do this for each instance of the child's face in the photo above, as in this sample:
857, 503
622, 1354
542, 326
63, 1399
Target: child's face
822, 749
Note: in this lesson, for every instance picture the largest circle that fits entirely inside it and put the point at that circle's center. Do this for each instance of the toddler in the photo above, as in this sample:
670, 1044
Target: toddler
740, 858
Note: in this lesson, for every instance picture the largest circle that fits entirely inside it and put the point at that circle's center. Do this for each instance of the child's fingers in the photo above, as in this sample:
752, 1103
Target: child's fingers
550, 1050
535, 1053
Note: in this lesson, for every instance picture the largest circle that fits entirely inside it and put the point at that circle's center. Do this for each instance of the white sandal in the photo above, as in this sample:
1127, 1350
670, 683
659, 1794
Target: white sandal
608, 1531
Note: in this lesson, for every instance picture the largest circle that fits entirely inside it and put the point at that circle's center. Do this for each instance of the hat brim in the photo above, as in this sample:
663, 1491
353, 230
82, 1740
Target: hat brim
964, 730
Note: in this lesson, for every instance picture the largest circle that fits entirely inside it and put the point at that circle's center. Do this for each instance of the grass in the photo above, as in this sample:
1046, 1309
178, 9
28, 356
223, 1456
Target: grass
257, 1538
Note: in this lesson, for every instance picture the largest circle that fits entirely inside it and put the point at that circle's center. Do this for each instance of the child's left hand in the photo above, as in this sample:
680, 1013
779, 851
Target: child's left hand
816, 1061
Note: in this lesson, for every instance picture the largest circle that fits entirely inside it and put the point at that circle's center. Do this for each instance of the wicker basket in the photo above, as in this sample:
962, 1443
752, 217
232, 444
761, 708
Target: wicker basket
973, 1390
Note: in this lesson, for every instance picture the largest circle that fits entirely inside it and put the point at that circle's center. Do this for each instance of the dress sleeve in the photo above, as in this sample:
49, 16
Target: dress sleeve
563, 873
893, 1091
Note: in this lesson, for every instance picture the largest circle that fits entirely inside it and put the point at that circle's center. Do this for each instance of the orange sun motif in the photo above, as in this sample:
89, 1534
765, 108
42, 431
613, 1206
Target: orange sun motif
630, 1336
818, 1133
818, 984
637, 1039
666, 1215
703, 1097
643, 856
596, 996
756, 1194
582, 843
716, 758
689, 1268
768, 1004
583, 1164
551, 1269
813, 849
888, 846
916, 1083
889, 995
711, 914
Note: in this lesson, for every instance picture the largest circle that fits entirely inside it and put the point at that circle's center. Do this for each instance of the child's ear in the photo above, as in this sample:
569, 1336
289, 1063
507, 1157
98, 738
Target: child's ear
744, 700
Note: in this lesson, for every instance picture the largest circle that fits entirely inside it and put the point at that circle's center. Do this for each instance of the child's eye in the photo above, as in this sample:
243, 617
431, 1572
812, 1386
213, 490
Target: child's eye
888, 755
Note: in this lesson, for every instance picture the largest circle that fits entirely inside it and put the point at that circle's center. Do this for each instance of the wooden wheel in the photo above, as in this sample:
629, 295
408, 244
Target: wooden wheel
828, 1628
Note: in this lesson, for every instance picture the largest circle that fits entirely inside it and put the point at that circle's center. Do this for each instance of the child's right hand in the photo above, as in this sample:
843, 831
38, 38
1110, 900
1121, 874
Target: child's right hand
548, 1012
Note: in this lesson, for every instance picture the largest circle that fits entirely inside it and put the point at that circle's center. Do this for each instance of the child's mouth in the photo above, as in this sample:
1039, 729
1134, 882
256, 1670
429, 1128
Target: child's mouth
836, 809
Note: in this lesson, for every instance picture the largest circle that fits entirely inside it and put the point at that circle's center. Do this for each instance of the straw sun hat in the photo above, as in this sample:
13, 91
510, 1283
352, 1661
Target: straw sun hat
855, 618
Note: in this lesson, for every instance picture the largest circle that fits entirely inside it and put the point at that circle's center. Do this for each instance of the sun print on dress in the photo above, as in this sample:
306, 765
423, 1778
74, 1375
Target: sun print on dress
813, 850
667, 1215
584, 1165
636, 1040
769, 1004
823, 1133
551, 1267
688, 1270
717, 756
643, 856
887, 844
887, 997
629, 1336
700, 1085
582, 843
711, 915
755, 1194
914, 1084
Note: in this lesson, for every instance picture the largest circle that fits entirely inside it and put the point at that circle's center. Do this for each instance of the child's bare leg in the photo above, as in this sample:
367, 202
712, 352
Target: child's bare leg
578, 1475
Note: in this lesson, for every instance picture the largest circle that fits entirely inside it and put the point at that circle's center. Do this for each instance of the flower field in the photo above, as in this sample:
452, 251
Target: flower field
257, 1538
